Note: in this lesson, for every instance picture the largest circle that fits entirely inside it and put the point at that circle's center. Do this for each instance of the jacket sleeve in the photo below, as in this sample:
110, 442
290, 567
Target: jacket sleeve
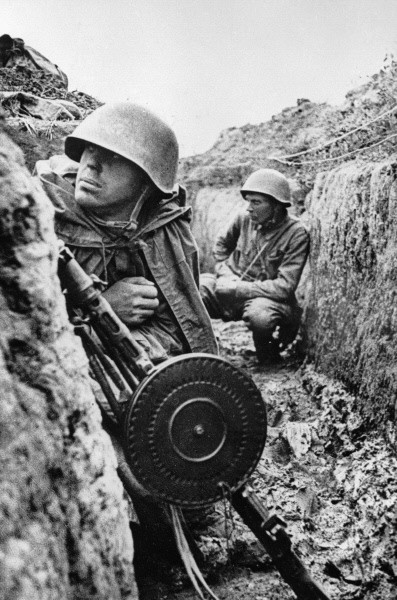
289, 271
225, 245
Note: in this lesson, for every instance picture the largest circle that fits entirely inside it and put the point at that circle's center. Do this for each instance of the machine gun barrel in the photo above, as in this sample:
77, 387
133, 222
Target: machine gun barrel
270, 531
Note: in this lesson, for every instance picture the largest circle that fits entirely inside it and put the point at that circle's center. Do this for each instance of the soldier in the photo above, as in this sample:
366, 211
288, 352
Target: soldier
126, 222
259, 261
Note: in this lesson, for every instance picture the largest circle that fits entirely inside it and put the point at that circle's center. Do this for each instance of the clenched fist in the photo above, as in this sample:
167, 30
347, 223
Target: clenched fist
133, 299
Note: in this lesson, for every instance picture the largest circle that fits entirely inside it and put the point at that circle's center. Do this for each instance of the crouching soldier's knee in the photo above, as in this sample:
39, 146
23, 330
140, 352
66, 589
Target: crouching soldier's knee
263, 315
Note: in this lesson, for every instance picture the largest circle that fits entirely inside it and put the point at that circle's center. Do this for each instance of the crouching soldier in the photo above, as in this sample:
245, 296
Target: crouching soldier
120, 213
259, 261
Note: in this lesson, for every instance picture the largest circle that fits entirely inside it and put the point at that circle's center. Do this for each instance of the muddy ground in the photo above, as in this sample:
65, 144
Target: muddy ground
331, 479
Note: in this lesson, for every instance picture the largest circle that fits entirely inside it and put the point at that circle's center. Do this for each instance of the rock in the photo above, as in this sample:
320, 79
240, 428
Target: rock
64, 520
299, 437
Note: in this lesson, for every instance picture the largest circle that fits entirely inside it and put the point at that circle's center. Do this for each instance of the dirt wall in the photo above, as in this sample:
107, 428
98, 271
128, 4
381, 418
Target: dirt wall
64, 528
212, 209
352, 316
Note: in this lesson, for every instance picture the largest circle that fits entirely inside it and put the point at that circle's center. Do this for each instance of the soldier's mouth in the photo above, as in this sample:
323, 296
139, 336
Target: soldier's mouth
89, 184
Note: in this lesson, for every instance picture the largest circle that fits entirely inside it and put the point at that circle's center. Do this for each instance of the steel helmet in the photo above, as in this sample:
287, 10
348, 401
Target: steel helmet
135, 133
270, 182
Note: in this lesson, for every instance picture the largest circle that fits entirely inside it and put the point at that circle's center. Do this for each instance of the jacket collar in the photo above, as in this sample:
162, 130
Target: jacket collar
57, 178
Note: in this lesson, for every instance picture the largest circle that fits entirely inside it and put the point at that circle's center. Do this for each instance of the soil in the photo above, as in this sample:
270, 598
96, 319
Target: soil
333, 482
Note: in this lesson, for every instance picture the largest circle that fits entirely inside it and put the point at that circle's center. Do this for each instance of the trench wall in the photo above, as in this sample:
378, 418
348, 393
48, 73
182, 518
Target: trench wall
351, 312
64, 527
213, 208
349, 287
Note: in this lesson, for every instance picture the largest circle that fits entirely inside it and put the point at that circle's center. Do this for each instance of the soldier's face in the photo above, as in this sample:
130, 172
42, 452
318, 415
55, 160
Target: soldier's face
107, 183
260, 207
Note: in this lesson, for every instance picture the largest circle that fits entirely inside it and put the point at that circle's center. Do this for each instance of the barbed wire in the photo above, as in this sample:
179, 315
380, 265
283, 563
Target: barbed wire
323, 160
284, 159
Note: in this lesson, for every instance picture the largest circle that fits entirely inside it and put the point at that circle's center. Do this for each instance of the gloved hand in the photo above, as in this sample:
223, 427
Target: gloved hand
133, 299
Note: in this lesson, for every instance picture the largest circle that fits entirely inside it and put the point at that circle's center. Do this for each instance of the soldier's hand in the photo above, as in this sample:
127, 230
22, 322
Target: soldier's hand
133, 299
225, 287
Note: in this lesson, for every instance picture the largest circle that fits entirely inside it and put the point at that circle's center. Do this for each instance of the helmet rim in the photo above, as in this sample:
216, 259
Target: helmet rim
268, 182
136, 134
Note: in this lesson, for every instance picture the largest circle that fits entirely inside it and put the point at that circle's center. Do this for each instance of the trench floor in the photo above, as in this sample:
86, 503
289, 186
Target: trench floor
330, 479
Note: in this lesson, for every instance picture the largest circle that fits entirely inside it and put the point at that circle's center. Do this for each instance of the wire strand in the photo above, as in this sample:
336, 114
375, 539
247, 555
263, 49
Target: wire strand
341, 137
323, 160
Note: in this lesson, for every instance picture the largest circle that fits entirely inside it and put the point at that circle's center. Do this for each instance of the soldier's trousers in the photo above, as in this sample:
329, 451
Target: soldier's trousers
263, 316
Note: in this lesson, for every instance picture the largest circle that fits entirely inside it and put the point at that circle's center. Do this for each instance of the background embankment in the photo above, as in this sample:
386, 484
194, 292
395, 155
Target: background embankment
351, 309
64, 527
342, 167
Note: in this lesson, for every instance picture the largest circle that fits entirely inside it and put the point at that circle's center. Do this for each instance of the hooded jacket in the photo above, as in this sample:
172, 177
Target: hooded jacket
162, 249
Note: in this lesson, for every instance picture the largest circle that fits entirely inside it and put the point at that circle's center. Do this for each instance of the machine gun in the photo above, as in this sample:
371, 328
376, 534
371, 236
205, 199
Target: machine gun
193, 427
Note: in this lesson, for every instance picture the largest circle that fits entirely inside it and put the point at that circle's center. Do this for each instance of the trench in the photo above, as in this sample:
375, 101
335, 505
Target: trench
333, 482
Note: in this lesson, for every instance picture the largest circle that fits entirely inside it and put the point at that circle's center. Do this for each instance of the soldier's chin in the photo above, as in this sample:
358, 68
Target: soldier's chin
85, 198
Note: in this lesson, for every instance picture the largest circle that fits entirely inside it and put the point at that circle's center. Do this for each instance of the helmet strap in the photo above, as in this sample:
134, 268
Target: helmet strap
133, 220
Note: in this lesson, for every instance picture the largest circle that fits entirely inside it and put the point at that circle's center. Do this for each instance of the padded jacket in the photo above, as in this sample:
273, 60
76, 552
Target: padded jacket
276, 272
162, 249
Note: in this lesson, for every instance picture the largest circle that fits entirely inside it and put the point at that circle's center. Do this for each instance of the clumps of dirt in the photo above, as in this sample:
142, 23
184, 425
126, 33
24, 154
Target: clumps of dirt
38, 135
38, 140
364, 482
43, 84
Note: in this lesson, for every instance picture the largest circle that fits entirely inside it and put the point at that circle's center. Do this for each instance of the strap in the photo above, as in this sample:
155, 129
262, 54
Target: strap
269, 245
